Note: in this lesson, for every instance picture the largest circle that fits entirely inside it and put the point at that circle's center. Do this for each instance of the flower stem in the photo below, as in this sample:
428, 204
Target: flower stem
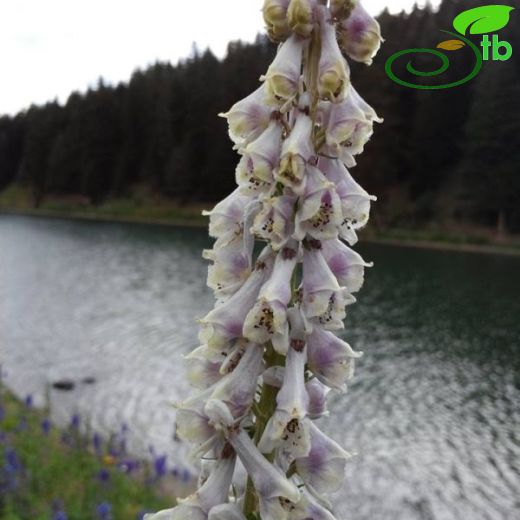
266, 407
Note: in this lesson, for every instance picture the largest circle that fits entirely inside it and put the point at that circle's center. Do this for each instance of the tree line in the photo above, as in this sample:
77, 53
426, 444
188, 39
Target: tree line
440, 156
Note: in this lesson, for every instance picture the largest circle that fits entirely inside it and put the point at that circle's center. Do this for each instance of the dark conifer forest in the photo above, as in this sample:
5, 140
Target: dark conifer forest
441, 156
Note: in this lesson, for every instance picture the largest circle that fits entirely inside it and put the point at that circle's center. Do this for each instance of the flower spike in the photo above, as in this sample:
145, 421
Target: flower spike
268, 355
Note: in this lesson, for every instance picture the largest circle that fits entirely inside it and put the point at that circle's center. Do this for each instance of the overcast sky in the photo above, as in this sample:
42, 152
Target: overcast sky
48, 48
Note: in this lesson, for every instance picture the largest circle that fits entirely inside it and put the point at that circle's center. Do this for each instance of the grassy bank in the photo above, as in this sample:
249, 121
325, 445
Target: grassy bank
52, 474
146, 207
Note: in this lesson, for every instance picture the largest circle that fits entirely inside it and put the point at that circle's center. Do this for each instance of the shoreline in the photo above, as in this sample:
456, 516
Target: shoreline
201, 223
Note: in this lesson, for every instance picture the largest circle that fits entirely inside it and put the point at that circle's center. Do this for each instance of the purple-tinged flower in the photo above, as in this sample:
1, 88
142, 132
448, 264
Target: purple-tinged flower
224, 323
267, 320
288, 428
203, 366
271, 485
2, 413
319, 212
355, 201
360, 35
248, 118
60, 515
330, 358
323, 469
347, 266
237, 389
274, 222
333, 73
254, 173
348, 127
282, 78
323, 300
29, 401
231, 256
297, 150
227, 214
192, 423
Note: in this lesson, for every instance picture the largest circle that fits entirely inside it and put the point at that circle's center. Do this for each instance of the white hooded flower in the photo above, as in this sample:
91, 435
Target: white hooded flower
319, 211
333, 73
267, 320
323, 469
248, 118
275, 221
203, 366
330, 358
213, 492
282, 79
296, 152
288, 428
231, 256
271, 485
254, 172
355, 201
237, 389
347, 265
360, 35
228, 214
324, 300
224, 323
347, 129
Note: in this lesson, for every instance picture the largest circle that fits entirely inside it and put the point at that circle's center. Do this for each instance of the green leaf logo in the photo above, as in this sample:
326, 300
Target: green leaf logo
482, 20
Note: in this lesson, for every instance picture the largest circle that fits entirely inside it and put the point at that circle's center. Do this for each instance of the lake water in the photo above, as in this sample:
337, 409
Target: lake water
433, 412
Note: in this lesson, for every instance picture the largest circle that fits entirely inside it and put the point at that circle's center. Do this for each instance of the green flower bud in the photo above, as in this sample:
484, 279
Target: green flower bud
341, 9
300, 16
275, 17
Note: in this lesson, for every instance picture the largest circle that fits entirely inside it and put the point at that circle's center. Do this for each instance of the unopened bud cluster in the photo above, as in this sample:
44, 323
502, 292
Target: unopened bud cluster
269, 354
359, 33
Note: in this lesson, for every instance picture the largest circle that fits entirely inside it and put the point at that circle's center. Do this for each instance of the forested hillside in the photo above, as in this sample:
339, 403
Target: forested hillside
440, 156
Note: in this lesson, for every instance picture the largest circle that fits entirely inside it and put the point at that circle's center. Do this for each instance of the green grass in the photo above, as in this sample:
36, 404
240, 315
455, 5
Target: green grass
53, 471
142, 205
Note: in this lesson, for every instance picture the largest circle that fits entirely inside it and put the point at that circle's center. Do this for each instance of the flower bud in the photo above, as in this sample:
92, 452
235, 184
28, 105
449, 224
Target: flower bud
275, 18
300, 17
333, 74
360, 35
341, 9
